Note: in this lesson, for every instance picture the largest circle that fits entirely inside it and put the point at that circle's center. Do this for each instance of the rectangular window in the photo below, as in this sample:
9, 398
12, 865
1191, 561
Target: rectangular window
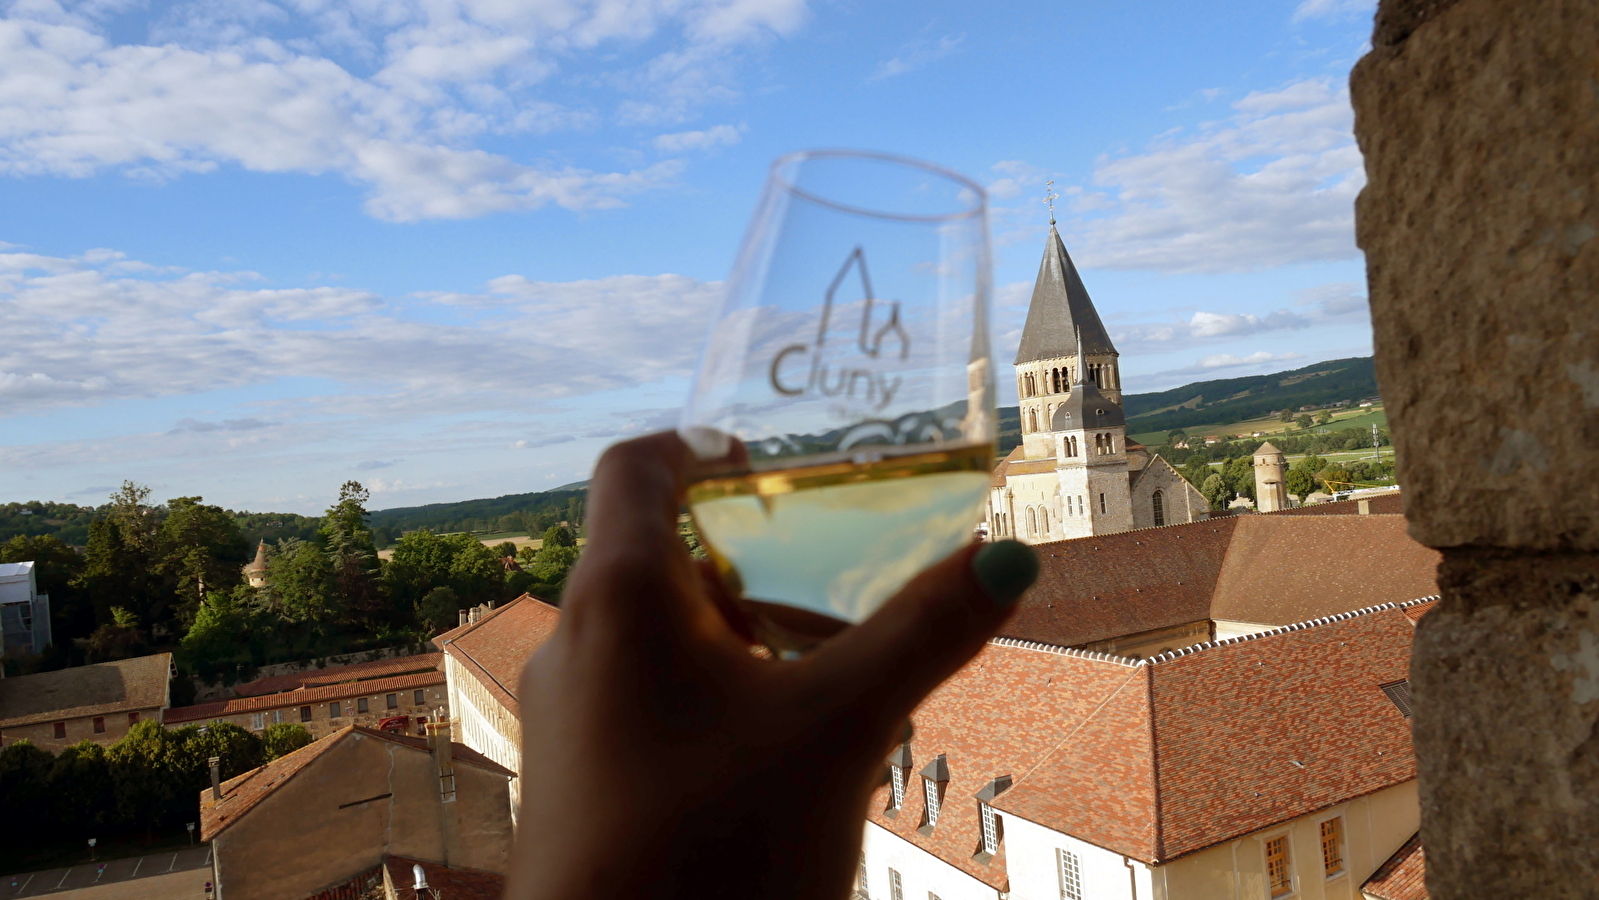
99, 724
1071, 875
392, 701
990, 827
930, 791
896, 888
60, 729
447, 787
360, 705
420, 698
305, 713
133, 718
860, 878
1279, 881
257, 721
334, 711
1102, 504
896, 783
1332, 846
277, 717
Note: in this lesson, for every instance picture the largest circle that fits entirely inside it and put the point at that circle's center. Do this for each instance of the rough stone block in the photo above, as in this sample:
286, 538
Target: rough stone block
1505, 678
1479, 121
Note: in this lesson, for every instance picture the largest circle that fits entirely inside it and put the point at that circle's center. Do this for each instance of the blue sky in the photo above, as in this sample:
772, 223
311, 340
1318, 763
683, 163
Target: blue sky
452, 248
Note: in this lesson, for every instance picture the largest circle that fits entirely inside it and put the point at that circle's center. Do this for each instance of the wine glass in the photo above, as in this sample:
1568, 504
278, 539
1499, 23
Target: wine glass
850, 359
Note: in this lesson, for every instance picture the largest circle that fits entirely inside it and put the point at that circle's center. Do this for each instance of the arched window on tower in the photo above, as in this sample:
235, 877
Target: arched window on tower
1158, 502
1075, 451
1044, 519
1032, 417
1032, 523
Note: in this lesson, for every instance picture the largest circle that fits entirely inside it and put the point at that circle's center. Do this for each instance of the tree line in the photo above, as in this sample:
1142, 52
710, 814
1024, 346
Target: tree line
149, 780
1236, 474
171, 576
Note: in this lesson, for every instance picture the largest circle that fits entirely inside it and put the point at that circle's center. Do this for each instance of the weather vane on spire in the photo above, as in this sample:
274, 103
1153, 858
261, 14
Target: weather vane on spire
1049, 198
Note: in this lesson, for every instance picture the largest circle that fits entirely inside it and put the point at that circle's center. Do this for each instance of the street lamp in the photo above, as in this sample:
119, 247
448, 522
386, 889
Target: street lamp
91, 849
191, 832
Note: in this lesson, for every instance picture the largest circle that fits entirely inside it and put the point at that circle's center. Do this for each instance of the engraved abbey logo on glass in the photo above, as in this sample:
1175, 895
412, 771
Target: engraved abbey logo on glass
850, 360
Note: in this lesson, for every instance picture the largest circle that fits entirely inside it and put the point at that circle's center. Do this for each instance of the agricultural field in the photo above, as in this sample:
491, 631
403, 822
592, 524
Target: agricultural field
1342, 420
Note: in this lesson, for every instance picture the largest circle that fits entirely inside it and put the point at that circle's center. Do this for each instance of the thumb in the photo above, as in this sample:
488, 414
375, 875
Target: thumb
927, 631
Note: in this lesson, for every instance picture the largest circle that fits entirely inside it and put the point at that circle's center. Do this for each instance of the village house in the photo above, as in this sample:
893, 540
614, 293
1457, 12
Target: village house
483, 661
97, 702
400, 694
328, 820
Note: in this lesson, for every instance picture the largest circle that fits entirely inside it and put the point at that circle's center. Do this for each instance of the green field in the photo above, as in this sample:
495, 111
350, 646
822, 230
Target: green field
1342, 420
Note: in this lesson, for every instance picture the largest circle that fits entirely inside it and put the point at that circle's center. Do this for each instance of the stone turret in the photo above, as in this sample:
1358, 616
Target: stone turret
255, 572
1271, 489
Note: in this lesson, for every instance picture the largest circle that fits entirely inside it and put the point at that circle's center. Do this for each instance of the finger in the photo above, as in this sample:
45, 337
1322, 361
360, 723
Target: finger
722, 598
931, 628
634, 563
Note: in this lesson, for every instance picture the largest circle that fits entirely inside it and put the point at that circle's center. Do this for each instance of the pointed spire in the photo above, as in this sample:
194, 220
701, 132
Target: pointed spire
1060, 306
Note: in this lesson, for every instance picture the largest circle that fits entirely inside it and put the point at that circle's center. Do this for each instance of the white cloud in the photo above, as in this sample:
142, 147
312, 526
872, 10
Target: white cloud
392, 96
1259, 357
80, 333
1333, 9
1272, 185
710, 138
918, 53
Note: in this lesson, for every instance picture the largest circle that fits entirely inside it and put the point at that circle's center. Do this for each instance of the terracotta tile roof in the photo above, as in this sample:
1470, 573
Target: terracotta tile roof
381, 668
111, 687
1403, 876
1293, 568
1003, 469
1268, 570
453, 883
1414, 613
1095, 588
496, 647
243, 793
1383, 504
302, 697
1155, 759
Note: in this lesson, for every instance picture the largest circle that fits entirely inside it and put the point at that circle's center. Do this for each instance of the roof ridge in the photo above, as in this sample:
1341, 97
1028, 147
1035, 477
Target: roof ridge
1058, 650
1170, 655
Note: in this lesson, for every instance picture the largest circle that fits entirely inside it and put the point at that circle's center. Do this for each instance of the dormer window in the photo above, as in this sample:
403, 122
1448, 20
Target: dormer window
992, 831
935, 778
899, 763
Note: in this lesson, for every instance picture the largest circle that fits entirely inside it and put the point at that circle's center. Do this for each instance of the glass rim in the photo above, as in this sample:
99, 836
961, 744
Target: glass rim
977, 209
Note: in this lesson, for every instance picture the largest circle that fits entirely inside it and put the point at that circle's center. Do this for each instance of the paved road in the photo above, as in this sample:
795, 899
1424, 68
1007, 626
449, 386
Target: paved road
87, 875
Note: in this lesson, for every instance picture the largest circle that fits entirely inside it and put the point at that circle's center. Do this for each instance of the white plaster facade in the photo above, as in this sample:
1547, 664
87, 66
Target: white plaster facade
481, 722
1372, 828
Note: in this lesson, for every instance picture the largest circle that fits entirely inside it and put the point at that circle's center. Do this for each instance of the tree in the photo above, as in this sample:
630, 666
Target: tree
1285, 416
1175, 436
82, 789
119, 638
120, 559
1216, 491
1304, 421
282, 739
476, 574
24, 789
1299, 482
438, 610
1196, 470
352, 558
1240, 475
145, 774
1337, 478
300, 583
504, 549
200, 549
219, 625
559, 536
1324, 417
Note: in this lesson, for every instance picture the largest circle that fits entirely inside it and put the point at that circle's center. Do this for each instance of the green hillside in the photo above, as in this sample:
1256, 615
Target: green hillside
1213, 404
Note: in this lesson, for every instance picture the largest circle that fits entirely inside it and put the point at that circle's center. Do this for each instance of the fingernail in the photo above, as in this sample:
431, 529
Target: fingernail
1005, 569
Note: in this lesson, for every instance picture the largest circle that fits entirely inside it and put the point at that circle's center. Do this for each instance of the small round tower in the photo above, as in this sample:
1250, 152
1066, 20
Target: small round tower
1271, 488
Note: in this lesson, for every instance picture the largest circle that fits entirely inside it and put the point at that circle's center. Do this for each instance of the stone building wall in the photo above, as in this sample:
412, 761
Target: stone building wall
1479, 122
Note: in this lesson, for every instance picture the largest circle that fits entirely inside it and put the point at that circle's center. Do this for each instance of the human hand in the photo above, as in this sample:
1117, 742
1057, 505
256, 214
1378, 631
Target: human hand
661, 758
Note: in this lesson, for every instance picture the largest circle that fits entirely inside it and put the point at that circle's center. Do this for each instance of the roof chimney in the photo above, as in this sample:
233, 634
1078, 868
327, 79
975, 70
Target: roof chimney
421, 877
462, 614
216, 779
444, 767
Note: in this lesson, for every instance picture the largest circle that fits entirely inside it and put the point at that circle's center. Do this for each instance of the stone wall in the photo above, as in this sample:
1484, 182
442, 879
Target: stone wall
1479, 121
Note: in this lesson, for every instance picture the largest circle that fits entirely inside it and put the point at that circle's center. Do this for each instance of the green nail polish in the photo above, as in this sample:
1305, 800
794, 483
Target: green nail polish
1005, 569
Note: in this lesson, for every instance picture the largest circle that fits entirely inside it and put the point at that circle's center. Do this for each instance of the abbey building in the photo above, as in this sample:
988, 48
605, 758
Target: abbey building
1075, 473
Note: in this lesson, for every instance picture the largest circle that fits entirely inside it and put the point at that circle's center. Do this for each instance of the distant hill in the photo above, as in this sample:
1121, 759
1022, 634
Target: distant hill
532, 512
1231, 399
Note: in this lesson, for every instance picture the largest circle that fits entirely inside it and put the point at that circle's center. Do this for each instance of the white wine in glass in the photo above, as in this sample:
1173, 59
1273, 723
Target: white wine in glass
850, 362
